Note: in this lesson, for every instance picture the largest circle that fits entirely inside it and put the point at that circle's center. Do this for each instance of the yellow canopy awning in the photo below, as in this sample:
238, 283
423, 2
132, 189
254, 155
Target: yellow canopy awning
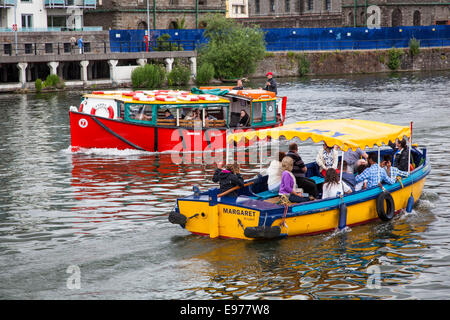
345, 133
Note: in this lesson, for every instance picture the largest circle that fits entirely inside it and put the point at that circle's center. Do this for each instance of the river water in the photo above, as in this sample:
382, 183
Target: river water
100, 216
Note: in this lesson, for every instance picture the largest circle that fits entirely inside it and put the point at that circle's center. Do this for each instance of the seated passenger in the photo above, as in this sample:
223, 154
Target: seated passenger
327, 158
274, 172
400, 159
348, 178
391, 171
193, 115
332, 187
362, 185
288, 186
168, 115
374, 174
300, 171
354, 159
244, 120
228, 177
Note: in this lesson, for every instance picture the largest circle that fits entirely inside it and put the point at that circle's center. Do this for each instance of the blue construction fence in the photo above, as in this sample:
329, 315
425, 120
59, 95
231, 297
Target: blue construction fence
291, 39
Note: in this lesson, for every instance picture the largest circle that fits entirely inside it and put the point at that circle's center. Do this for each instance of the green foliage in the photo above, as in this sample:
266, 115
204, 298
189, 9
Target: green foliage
179, 76
232, 48
303, 65
38, 85
394, 58
52, 80
205, 73
414, 47
148, 76
163, 43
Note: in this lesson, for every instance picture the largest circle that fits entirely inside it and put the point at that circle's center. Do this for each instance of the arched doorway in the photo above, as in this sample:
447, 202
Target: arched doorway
173, 25
396, 17
350, 19
142, 25
416, 18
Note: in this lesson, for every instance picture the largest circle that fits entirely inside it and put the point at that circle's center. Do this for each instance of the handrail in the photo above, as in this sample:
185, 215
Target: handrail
234, 189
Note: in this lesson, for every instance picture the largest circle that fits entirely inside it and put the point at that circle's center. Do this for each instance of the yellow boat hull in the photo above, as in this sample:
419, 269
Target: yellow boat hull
230, 220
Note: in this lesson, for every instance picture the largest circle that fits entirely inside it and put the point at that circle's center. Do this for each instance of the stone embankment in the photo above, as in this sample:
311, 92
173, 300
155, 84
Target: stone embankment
286, 64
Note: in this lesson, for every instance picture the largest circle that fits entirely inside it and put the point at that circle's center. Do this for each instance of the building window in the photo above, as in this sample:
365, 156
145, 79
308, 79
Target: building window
56, 21
87, 47
327, 5
310, 5
416, 18
49, 48
287, 5
28, 48
7, 49
202, 2
272, 5
173, 2
257, 8
67, 47
27, 21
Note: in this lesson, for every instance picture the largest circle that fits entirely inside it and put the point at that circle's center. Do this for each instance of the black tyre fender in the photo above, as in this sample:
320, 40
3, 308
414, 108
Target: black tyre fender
387, 214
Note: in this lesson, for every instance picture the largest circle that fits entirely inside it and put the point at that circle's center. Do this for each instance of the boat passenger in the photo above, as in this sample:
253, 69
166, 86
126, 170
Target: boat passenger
244, 120
354, 159
400, 159
332, 187
327, 158
239, 85
228, 177
363, 184
168, 115
271, 84
274, 171
391, 171
374, 174
299, 170
348, 178
193, 115
288, 186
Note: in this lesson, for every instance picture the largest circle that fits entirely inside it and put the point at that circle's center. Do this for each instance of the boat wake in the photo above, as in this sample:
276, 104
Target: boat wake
106, 151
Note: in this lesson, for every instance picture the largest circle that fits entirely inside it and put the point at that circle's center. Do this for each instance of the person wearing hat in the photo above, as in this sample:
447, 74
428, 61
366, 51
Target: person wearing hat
271, 84
168, 115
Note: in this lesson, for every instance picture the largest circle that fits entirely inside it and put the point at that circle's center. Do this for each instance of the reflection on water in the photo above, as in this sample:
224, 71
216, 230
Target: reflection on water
106, 211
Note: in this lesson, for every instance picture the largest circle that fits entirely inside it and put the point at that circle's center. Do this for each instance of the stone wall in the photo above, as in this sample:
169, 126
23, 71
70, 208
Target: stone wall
285, 64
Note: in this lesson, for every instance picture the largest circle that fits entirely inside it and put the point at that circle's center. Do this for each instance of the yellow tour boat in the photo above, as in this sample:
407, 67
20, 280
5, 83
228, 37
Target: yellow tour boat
257, 213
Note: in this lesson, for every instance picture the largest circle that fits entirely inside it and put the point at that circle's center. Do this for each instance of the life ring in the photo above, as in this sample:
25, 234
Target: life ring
103, 110
144, 98
387, 214
208, 97
98, 92
81, 107
165, 98
128, 94
188, 98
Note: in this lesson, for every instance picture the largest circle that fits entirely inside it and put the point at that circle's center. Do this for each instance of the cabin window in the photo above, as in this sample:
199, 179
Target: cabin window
215, 117
141, 112
121, 110
257, 115
270, 111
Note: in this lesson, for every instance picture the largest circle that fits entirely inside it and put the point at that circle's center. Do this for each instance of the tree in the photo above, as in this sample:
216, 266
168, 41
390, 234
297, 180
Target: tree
233, 50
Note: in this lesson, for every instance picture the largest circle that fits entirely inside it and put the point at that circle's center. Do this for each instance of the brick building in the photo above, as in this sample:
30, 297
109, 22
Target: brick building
295, 13
163, 14
397, 12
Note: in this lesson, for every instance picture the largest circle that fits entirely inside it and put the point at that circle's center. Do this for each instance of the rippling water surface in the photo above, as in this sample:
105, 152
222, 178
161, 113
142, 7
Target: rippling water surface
105, 211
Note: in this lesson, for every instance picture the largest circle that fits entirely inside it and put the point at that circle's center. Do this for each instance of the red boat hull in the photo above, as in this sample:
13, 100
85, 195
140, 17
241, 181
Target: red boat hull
88, 131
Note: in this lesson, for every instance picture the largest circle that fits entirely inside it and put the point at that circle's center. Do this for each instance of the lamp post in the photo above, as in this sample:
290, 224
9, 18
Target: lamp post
15, 24
148, 20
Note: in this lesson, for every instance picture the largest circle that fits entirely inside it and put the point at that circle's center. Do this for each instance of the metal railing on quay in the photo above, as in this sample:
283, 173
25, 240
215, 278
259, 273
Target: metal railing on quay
104, 47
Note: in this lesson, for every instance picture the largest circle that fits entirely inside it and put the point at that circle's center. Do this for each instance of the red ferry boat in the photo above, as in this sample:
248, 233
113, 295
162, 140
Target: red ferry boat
166, 120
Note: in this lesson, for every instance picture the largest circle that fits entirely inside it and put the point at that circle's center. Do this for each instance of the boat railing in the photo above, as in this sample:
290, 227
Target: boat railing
191, 123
